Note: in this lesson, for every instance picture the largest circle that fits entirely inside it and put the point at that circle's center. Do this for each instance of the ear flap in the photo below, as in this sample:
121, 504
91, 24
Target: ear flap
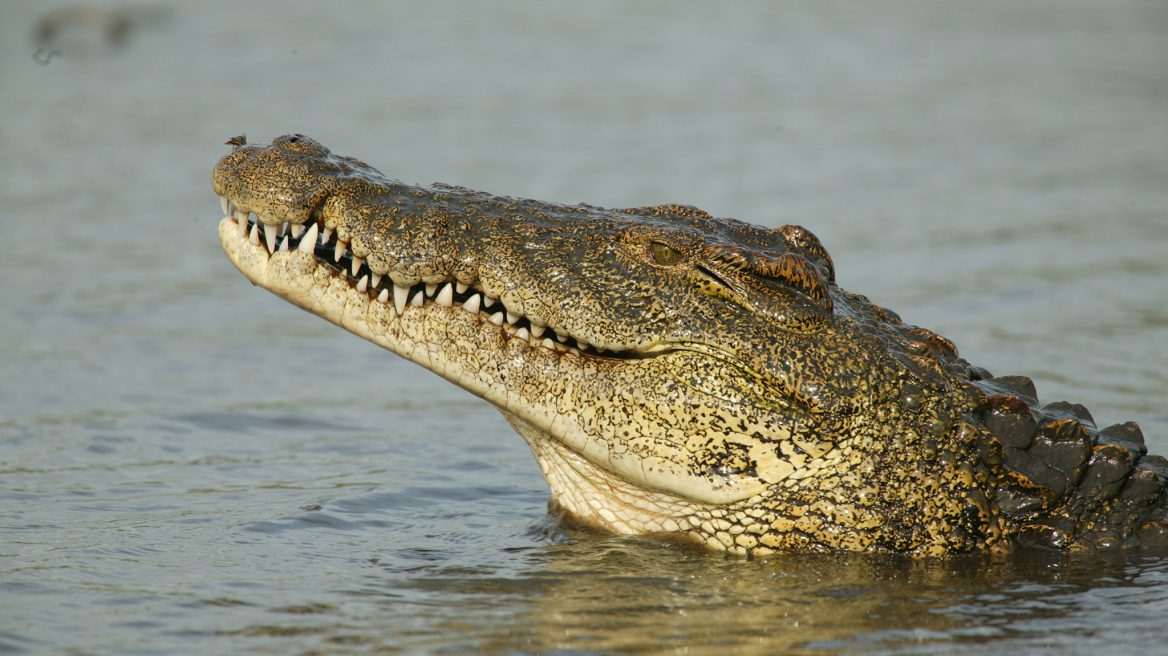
801, 238
794, 271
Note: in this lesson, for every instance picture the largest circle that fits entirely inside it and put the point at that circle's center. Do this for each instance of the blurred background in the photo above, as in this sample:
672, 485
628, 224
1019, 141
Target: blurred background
188, 464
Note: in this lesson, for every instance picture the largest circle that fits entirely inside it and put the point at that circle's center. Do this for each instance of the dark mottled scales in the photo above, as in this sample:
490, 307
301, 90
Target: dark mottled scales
1127, 435
1010, 420
706, 379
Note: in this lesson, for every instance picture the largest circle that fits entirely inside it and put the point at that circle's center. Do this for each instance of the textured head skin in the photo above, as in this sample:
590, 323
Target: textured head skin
685, 375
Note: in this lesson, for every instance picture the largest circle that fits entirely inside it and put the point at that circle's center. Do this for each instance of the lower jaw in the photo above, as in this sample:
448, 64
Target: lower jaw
446, 339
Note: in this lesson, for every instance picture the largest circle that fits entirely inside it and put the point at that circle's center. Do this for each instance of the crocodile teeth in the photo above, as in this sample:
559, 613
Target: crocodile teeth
512, 317
399, 299
270, 236
297, 229
339, 251
308, 243
241, 219
363, 284
255, 235
547, 343
284, 245
383, 297
375, 280
537, 330
430, 289
472, 304
418, 300
357, 262
497, 318
461, 288
328, 232
488, 301
523, 334
224, 203
445, 297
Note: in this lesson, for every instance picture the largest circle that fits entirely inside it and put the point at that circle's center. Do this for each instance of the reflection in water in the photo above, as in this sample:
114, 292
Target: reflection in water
597, 593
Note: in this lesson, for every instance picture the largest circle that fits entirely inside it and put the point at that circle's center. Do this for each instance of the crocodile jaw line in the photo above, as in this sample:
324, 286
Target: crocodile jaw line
485, 353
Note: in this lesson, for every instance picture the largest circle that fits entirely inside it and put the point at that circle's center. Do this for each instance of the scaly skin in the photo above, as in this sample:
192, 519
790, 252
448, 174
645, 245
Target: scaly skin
688, 376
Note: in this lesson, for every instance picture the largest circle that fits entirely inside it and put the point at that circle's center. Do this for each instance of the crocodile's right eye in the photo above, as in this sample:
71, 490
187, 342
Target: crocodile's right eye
664, 255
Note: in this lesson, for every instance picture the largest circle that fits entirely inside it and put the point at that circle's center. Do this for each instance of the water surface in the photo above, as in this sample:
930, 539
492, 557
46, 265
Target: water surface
190, 465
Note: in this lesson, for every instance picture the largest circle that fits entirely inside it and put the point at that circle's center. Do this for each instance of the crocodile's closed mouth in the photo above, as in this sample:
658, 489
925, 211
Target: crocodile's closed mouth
314, 239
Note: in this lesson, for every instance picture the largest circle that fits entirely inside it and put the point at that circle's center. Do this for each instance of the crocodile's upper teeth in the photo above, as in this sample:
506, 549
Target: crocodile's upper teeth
224, 203
446, 296
270, 236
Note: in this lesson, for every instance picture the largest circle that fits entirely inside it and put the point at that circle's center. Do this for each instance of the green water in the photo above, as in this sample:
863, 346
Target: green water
189, 465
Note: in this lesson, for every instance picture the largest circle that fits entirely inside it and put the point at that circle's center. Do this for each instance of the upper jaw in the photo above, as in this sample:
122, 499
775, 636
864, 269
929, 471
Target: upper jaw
288, 195
292, 194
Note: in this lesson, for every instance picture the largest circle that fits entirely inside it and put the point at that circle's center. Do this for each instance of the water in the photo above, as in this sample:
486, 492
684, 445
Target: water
189, 465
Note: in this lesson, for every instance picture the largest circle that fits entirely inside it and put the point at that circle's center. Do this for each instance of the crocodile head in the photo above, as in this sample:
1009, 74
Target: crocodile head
673, 373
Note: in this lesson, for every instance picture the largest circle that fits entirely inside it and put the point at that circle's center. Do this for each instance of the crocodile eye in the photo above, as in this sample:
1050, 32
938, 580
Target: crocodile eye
663, 254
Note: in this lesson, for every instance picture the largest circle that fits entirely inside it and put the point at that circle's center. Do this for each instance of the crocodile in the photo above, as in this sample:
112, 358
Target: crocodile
695, 378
